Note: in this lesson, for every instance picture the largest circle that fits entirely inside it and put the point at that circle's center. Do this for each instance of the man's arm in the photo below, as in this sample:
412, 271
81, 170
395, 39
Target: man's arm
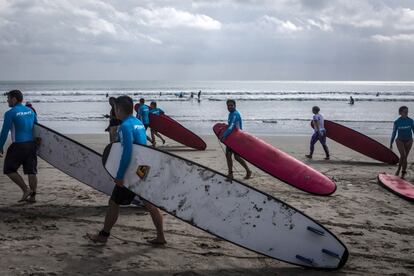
126, 153
7, 124
394, 133
230, 127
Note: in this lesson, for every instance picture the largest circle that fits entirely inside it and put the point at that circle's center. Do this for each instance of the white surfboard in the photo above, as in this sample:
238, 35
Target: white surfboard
232, 211
74, 159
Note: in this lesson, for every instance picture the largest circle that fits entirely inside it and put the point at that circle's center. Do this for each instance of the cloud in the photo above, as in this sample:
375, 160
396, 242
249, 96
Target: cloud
280, 25
394, 38
169, 17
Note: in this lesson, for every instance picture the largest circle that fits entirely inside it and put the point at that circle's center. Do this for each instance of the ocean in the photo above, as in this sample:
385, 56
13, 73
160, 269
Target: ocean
267, 107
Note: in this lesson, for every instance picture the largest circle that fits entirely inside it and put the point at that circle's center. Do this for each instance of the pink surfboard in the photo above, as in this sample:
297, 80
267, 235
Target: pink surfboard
276, 162
359, 142
398, 186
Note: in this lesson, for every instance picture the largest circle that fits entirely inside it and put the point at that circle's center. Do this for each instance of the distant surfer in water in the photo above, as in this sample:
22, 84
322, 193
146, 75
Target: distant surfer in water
156, 111
143, 114
319, 133
20, 121
130, 132
351, 100
404, 127
113, 122
234, 121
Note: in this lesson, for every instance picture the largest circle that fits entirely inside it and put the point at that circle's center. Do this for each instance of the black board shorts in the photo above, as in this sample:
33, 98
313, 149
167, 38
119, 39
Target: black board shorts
146, 126
21, 154
122, 196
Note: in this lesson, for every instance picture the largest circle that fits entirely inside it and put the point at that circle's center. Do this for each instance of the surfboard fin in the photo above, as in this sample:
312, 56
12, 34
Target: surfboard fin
330, 253
305, 260
316, 231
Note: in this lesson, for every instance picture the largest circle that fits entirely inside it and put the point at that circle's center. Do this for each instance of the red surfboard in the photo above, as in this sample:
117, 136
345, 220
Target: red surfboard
398, 186
359, 142
275, 162
175, 131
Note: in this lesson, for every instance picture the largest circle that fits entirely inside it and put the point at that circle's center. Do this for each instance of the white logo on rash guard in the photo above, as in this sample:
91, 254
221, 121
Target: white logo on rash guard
138, 127
23, 113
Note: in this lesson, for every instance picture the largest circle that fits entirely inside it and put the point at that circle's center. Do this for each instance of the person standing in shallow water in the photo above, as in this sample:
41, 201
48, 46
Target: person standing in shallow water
319, 133
20, 121
404, 127
234, 121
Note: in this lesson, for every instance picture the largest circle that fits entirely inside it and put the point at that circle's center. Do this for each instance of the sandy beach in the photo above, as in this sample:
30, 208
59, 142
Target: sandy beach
47, 238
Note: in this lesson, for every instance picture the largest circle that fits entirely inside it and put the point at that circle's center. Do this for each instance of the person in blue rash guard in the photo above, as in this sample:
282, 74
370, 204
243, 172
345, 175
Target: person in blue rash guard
404, 127
234, 121
143, 114
20, 121
155, 111
130, 132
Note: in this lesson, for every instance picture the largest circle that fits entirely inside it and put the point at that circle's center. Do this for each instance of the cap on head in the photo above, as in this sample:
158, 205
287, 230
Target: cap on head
17, 94
154, 104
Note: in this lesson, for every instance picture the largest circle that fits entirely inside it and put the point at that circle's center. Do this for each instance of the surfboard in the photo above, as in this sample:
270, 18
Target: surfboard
276, 162
74, 159
359, 142
175, 131
232, 211
398, 186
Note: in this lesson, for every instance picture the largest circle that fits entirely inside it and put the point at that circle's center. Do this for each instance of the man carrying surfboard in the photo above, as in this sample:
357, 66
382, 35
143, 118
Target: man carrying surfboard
130, 132
20, 120
404, 127
319, 133
234, 121
155, 111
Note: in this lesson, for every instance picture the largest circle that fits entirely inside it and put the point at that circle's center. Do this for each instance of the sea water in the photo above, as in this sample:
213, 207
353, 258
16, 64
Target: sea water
267, 107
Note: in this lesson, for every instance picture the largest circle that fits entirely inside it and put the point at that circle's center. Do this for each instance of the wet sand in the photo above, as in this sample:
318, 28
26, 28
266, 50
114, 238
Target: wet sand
46, 238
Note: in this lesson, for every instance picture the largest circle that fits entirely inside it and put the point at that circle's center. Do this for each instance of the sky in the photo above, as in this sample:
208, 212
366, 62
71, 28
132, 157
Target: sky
207, 40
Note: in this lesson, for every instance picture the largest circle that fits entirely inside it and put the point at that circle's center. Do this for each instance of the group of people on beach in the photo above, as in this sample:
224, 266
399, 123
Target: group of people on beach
128, 130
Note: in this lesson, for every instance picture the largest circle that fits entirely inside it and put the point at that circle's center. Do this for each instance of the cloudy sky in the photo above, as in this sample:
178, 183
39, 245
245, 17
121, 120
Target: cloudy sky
207, 40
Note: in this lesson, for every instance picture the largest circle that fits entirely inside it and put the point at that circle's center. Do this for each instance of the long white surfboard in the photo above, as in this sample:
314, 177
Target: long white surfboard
232, 211
74, 159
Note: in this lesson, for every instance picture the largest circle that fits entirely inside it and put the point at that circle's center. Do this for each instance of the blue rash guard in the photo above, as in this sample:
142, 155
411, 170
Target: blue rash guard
143, 114
131, 131
20, 120
156, 111
404, 127
234, 121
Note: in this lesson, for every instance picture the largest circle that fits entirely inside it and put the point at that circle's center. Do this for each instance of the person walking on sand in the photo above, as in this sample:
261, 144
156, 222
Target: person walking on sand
130, 132
20, 121
234, 121
143, 114
403, 130
319, 133
155, 111
113, 122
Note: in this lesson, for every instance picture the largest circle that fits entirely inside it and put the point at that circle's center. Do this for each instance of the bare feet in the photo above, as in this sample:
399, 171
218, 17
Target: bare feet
26, 194
229, 177
97, 238
157, 241
248, 175
308, 156
397, 173
403, 174
32, 198
163, 141
327, 158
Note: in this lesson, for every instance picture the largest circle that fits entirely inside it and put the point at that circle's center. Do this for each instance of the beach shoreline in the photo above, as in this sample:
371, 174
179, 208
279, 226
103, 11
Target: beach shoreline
46, 238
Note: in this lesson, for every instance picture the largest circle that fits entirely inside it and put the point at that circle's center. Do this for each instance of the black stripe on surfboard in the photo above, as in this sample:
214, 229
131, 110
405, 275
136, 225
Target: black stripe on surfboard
344, 256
